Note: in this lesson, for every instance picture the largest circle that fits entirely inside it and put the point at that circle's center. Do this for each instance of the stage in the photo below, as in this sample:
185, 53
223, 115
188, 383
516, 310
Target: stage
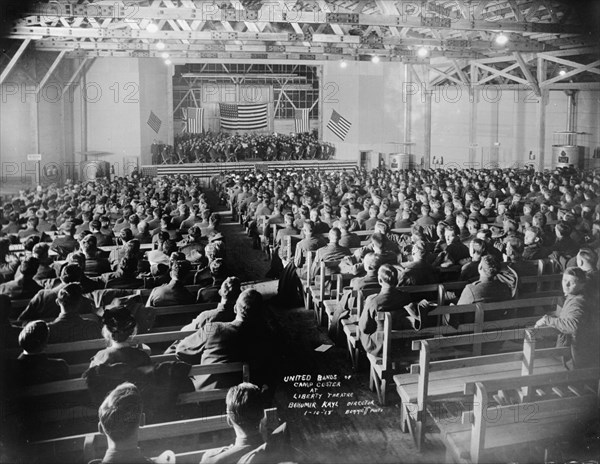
209, 170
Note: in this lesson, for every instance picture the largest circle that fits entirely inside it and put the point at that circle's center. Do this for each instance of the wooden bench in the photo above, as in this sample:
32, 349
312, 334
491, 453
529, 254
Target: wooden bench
350, 325
545, 285
82, 411
99, 344
431, 382
318, 293
382, 368
553, 407
85, 447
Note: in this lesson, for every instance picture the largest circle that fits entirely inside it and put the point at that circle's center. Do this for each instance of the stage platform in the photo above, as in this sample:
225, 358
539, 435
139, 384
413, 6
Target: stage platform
209, 170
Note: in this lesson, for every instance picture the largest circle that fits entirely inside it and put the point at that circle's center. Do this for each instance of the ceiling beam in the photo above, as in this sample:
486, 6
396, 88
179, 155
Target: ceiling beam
326, 14
13, 61
51, 69
528, 74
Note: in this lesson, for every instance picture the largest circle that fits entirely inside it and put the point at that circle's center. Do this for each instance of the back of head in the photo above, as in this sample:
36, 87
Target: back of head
89, 243
217, 268
249, 305
119, 324
69, 297
169, 246
371, 262
179, 269
40, 251
71, 273
245, 406
230, 289
34, 337
489, 267
387, 275
334, 235
29, 267
120, 412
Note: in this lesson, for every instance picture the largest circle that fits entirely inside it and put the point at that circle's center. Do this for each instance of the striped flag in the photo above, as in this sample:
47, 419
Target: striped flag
154, 122
339, 125
194, 119
237, 117
301, 120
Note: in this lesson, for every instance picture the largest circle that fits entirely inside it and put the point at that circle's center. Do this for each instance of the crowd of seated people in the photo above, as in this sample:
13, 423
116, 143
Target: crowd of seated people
117, 239
225, 147
482, 226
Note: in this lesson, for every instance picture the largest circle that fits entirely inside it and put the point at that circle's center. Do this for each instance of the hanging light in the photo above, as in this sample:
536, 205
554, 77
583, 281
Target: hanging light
501, 39
343, 64
375, 59
152, 28
160, 45
562, 72
165, 55
422, 52
167, 62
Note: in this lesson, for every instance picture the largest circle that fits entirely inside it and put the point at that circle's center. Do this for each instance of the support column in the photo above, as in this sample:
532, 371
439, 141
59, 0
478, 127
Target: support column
427, 138
541, 114
407, 111
319, 101
83, 126
473, 100
170, 128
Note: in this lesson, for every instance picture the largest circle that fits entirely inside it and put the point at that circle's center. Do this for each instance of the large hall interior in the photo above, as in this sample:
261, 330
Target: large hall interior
300, 231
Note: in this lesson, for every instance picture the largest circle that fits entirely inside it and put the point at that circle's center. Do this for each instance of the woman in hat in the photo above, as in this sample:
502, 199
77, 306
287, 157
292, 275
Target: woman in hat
119, 328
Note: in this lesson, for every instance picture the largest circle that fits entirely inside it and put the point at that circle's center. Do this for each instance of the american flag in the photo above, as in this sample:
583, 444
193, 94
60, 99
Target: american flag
237, 117
154, 122
194, 118
301, 120
339, 125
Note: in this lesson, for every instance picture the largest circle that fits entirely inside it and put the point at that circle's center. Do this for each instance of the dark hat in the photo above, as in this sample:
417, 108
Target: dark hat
118, 319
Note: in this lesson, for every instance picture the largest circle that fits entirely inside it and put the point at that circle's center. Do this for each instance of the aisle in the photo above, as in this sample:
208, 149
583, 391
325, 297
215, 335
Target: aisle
337, 437
242, 260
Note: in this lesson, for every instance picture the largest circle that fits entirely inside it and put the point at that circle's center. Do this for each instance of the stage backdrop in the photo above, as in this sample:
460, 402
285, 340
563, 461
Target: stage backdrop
231, 93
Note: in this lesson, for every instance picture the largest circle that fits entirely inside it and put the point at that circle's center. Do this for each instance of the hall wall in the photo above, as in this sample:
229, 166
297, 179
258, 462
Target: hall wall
369, 96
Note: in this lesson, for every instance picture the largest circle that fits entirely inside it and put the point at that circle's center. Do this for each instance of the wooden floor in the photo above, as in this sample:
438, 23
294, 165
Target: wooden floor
339, 437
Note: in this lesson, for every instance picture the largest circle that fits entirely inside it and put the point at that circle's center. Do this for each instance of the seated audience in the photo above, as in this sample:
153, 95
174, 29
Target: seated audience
69, 326
174, 292
577, 321
247, 338
389, 299
210, 293
120, 417
33, 366
246, 415
125, 276
224, 312
488, 288
119, 326
95, 263
418, 271
23, 286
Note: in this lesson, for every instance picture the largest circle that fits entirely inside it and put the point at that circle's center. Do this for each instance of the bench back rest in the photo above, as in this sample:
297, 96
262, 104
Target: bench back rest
579, 407
362, 295
527, 356
99, 344
324, 276
480, 310
545, 284
93, 445
456, 287
73, 385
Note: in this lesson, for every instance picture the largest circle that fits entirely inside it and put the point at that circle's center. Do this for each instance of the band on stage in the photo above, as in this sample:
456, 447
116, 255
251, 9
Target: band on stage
223, 147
